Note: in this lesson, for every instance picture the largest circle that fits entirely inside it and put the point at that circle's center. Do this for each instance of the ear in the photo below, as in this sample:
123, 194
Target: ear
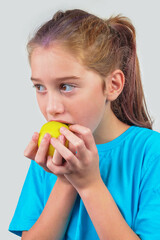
114, 84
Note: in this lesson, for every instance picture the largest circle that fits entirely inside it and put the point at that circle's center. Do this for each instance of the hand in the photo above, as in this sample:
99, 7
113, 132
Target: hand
40, 155
82, 161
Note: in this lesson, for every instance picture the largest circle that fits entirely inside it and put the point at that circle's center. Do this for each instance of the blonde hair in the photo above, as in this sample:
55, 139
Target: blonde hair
102, 45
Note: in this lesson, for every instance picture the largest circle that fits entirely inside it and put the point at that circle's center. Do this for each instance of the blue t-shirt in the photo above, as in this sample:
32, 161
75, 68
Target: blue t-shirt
130, 168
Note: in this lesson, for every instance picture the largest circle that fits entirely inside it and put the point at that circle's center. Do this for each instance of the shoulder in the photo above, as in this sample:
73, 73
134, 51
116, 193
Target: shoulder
145, 131
149, 138
148, 143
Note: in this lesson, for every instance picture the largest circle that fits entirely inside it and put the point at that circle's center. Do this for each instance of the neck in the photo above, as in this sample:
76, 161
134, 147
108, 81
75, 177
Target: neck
109, 128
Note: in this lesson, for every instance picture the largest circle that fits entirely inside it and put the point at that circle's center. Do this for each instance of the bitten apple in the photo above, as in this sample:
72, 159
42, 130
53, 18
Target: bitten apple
52, 128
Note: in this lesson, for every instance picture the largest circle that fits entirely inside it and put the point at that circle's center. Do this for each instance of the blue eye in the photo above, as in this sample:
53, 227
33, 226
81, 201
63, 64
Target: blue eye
40, 88
66, 87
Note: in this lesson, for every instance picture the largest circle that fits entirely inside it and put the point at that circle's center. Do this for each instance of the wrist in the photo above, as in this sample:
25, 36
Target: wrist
91, 188
62, 182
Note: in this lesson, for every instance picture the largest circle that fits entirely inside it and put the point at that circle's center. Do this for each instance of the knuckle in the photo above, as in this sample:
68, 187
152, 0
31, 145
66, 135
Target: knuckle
49, 165
79, 144
68, 157
86, 163
25, 153
87, 132
55, 171
38, 160
68, 170
95, 151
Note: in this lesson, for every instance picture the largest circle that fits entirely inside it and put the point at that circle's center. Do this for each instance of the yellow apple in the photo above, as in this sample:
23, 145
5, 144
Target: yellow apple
52, 128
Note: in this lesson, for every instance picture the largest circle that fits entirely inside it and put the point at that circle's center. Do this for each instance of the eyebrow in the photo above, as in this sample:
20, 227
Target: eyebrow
57, 79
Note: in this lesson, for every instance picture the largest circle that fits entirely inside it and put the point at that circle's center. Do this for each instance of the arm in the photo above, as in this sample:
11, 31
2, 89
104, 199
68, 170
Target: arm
82, 171
53, 221
105, 214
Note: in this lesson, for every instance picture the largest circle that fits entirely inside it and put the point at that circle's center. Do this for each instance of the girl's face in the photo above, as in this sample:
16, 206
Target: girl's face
67, 91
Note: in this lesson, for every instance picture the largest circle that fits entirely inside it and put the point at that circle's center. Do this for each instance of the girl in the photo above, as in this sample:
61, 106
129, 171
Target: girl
106, 184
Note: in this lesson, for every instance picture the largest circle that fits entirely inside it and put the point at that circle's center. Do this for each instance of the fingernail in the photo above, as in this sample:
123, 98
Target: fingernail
35, 136
62, 129
46, 137
61, 137
52, 140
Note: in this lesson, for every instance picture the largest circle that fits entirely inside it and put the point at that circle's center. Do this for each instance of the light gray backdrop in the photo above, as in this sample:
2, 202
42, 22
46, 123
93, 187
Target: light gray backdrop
20, 116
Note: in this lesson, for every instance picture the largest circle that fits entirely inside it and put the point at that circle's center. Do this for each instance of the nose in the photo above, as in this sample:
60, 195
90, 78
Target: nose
55, 105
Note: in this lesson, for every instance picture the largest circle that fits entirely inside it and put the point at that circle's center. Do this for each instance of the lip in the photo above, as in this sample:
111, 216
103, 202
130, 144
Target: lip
61, 121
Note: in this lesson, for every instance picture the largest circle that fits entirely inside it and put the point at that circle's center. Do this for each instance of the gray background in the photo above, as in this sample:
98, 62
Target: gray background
20, 115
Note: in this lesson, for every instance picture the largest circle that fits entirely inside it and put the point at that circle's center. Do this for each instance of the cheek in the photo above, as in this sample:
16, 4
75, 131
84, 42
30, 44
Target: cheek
90, 113
42, 105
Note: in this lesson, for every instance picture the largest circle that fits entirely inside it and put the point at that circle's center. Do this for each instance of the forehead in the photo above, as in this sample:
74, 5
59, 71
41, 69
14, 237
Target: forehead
55, 59
52, 53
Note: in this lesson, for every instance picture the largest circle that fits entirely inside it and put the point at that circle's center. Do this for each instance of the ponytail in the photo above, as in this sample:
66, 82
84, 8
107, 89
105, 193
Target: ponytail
130, 107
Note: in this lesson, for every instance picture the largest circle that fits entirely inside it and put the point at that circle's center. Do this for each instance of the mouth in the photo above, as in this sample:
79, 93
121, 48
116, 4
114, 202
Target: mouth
61, 121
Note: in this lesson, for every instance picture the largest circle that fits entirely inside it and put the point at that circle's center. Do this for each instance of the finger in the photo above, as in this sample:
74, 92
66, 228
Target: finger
86, 135
49, 162
76, 141
41, 156
58, 170
31, 149
57, 158
72, 148
64, 152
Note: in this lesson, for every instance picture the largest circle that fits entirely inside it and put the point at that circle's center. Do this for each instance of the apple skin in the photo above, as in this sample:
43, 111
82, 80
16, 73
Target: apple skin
52, 128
